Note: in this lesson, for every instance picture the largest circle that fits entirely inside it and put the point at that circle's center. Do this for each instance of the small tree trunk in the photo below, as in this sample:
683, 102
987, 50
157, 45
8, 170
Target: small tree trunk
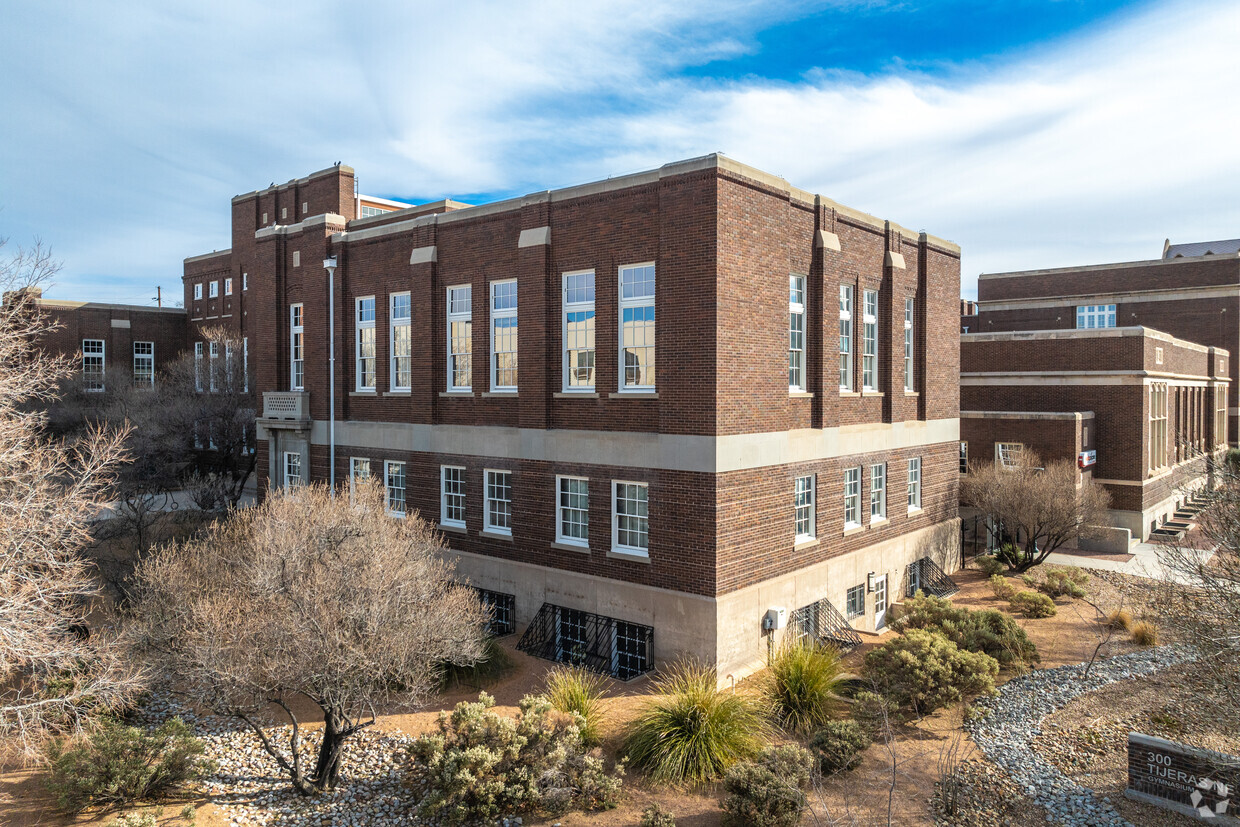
327, 770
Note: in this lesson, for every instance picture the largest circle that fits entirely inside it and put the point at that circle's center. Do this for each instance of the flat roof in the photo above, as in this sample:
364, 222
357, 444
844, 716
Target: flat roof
65, 304
1154, 262
1087, 333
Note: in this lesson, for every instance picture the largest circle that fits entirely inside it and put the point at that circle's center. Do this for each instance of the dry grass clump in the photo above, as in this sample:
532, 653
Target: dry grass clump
803, 684
573, 689
1144, 633
1120, 620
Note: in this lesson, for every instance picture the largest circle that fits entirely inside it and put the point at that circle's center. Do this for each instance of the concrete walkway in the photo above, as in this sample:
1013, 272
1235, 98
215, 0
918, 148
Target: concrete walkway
1144, 563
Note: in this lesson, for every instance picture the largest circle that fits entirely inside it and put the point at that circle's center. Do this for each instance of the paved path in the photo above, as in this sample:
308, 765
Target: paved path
1144, 563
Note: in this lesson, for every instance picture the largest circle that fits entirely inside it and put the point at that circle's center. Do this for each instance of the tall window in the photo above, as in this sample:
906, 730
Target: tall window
964, 457
198, 351
908, 344
573, 511
852, 497
366, 343
213, 368
803, 500
796, 333
846, 337
292, 470
359, 472
499, 501
637, 327
1220, 418
214, 290
460, 338
198, 291
394, 472
1095, 315
869, 343
579, 331
92, 364
1009, 454
452, 496
914, 483
630, 518
144, 364
402, 343
228, 366
228, 287
1158, 426
297, 354
245, 364
504, 335
878, 491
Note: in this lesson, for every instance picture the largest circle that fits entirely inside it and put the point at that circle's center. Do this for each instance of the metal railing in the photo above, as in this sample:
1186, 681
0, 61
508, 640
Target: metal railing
927, 576
823, 623
596, 642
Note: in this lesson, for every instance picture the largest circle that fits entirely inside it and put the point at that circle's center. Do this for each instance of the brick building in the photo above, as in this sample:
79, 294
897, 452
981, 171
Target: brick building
793, 445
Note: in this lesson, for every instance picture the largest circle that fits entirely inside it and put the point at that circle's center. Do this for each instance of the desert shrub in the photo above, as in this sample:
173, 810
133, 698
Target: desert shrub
1001, 586
1144, 633
803, 684
1032, 604
480, 765
989, 631
656, 816
1120, 620
690, 731
494, 664
990, 566
923, 670
872, 710
838, 746
118, 764
577, 690
1059, 581
136, 820
768, 793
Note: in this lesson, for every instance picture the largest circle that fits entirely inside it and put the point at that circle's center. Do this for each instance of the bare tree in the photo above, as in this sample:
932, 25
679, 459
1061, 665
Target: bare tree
1039, 508
330, 599
53, 670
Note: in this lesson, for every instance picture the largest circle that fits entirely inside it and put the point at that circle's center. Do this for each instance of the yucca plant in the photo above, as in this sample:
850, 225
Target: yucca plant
803, 684
573, 689
690, 731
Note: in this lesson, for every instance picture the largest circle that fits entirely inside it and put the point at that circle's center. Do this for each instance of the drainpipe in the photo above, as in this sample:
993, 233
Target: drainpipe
329, 264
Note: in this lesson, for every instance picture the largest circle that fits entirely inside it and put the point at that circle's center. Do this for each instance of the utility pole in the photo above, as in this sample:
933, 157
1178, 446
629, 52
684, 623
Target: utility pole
159, 296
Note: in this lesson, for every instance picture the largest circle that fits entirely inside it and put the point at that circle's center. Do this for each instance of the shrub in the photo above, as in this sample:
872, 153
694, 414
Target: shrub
768, 793
872, 710
990, 566
656, 816
803, 683
839, 745
576, 690
690, 731
1059, 581
494, 664
988, 631
1033, 604
1119, 620
480, 765
118, 764
923, 670
1144, 634
1001, 586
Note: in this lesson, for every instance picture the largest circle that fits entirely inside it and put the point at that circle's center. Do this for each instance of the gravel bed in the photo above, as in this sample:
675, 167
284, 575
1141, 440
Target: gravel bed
1010, 721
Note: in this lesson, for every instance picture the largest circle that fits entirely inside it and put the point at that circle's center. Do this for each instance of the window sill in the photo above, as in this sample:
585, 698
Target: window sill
800, 395
495, 535
455, 529
868, 393
512, 394
849, 393
877, 521
804, 543
456, 393
575, 395
633, 555
914, 510
633, 395
912, 393
563, 546
850, 530
371, 394
398, 393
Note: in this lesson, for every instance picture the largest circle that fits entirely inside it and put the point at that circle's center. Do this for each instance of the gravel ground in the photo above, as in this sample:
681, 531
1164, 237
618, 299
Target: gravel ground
1013, 719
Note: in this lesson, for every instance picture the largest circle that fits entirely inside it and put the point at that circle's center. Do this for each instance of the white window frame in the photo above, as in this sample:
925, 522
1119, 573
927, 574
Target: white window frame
245, 282
847, 337
199, 352
616, 545
488, 524
297, 347
228, 286
94, 354
571, 374
498, 315
213, 290
1009, 454
359, 469
365, 330
914, 484
562, 510
228, 363
146, 360
464, 357
291, 481
851, 613
388, 488
198, 291
404, 324
1095, 316
1158, 427
869, 341
964, 457
445, 504
909, 310
878, 492
245, 364
634, 303
803, 507
852, 497
796, 332
213, 356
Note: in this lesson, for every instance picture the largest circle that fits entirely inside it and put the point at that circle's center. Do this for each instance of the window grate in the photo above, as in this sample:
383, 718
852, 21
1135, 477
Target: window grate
598, 643
503, 611
926, 576
823, 623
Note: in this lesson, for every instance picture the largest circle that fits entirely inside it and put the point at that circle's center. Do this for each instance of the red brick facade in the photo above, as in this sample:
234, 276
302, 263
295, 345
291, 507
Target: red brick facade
118, 327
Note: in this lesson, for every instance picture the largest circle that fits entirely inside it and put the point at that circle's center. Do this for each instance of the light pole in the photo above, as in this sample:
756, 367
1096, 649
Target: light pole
329, 264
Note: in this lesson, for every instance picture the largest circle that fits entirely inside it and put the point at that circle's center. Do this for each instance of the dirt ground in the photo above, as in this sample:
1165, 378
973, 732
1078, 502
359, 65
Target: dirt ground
905, 769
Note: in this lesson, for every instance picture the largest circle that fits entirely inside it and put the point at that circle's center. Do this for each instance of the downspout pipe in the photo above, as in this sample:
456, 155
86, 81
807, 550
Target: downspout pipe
329, 264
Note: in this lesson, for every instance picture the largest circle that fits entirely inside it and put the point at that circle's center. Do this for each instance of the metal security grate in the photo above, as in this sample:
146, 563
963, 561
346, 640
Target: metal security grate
927, 576
601, 644
503, 611
822, 622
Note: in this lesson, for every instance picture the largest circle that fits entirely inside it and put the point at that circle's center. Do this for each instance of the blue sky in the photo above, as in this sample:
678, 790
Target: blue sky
1033, 133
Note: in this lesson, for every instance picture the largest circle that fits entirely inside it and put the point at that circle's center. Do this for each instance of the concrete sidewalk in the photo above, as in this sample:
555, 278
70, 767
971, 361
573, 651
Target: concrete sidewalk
1144, 563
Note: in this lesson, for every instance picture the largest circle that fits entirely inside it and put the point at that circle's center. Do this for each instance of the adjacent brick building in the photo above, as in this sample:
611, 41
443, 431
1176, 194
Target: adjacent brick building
643, 411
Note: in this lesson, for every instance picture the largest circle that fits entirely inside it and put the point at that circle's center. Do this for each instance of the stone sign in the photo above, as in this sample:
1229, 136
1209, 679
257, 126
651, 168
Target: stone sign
1195, 782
